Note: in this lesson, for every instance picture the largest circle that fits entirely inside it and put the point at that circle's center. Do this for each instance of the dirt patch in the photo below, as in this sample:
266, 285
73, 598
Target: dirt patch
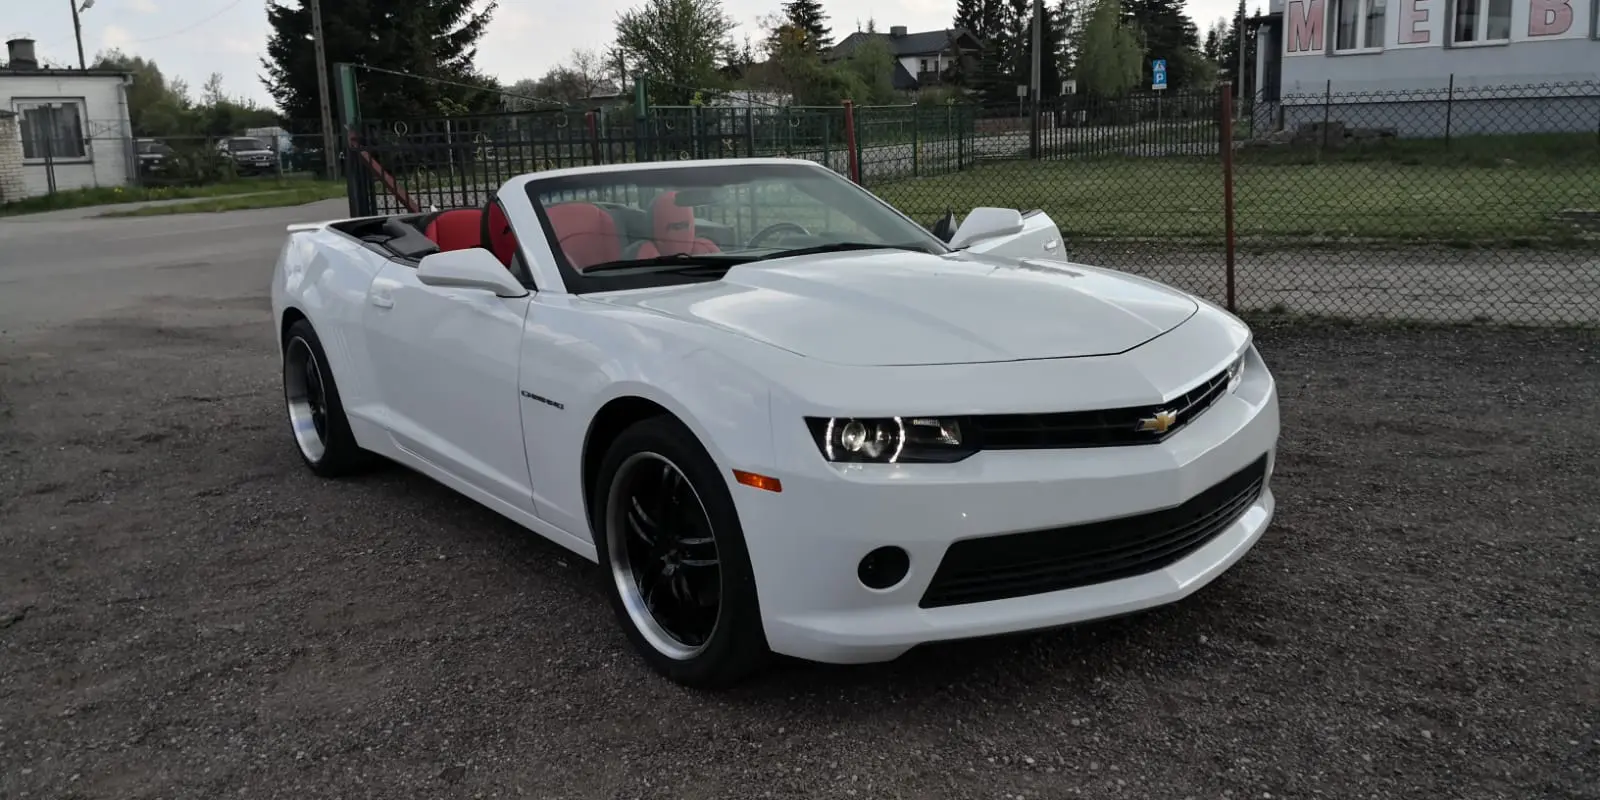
185, 611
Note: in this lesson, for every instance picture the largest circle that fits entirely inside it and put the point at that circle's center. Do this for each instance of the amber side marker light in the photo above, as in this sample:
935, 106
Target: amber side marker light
758, 481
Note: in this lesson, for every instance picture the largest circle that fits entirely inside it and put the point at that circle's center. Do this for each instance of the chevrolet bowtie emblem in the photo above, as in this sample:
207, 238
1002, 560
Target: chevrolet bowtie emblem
1160, 423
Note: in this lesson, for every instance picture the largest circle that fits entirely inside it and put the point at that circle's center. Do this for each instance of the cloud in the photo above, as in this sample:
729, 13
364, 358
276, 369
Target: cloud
239, 44
144, 6
115, 36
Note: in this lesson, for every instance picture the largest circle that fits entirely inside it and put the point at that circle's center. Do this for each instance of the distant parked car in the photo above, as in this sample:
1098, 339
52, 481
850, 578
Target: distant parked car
251, 156
153, 156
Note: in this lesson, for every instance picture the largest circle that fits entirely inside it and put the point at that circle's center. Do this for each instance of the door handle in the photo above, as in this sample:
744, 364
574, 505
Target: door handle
382, 300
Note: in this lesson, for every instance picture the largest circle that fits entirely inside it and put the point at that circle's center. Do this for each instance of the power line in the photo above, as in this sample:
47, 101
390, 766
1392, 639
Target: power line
225, 9
446, 82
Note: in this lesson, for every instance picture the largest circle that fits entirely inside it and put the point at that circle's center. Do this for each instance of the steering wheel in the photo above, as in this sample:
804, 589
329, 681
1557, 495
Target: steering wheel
773, 228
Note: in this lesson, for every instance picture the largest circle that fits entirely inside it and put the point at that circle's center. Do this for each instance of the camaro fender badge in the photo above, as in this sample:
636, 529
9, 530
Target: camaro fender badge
1160, 423
547, 401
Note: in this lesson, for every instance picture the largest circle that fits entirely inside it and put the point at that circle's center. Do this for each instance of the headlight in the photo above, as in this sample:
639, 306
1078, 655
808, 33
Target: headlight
1236, 372
889, 440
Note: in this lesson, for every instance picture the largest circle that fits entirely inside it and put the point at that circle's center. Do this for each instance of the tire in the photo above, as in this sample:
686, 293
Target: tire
624, 505
317, 421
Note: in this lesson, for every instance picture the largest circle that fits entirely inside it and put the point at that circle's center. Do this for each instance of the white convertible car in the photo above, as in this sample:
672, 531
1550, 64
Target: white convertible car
783, 416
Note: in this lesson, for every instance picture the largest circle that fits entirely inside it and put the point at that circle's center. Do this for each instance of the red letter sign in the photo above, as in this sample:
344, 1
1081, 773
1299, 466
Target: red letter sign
1305, 25
1549, 17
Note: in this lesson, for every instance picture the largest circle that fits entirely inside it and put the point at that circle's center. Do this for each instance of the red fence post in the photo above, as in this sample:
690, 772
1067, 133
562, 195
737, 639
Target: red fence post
389, 182
1226, 143
850, 141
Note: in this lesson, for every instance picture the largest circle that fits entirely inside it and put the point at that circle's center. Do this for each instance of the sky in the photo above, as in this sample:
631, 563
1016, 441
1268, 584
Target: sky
193, 38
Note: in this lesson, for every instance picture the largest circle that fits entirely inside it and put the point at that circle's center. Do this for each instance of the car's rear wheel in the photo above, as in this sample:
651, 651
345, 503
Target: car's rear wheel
678, 572
316, 415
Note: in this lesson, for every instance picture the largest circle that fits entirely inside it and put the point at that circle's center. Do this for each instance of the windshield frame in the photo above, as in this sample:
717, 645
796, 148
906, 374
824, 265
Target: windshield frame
577, 282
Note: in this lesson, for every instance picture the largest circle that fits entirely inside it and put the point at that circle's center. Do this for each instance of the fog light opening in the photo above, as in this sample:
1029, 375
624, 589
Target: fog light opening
883, 568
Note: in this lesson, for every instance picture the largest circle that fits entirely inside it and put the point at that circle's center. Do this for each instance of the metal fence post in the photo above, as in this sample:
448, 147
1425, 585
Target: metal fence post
1226, 145
1449, 109
916, 140
1327, 112
749, 131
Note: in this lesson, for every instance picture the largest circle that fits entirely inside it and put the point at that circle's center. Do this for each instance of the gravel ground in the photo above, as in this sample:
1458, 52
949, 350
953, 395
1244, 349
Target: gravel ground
186, 612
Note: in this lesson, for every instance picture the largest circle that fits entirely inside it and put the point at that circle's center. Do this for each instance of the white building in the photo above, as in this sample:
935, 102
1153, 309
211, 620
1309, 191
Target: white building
73, 123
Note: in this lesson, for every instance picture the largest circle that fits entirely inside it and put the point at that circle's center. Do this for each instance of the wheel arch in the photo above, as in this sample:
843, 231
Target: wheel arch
614, 417
291, 315
720, 421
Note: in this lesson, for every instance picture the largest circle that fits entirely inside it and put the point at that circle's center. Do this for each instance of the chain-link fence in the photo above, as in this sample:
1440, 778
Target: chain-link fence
62, 153
1458, 205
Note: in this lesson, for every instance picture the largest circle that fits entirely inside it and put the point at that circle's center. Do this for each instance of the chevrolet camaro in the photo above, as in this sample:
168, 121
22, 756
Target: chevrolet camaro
782, 416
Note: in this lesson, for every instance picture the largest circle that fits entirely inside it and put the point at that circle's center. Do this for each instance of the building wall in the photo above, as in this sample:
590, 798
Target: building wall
936, 63
1552, 41
106, 130
13, 185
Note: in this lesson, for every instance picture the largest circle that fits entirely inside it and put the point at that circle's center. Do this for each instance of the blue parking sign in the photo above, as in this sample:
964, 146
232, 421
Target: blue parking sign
1158, 70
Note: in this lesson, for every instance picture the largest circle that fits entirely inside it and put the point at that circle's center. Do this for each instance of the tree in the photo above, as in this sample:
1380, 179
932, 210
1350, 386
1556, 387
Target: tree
872, 64
674, 44
1167, 33
1109, 55
1069, 20
432, 42
156, 106
808, 17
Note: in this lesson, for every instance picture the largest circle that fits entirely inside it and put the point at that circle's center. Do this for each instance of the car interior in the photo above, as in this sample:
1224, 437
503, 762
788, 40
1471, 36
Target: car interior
588, 233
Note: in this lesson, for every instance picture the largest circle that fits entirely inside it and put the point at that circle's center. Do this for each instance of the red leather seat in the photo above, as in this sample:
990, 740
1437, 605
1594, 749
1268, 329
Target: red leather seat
496, 235
456, 229
585, 233
673, 232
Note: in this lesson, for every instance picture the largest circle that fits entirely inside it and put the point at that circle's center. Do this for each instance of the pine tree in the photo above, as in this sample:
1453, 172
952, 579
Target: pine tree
808, 16
422, 38
1167, 34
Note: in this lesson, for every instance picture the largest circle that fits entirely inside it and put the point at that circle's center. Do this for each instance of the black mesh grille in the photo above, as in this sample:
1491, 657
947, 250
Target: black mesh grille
1106, 428
1022, 564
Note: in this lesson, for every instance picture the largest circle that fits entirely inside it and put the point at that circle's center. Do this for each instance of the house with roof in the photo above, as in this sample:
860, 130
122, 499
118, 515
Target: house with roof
72, 125
1485, 66
922, 59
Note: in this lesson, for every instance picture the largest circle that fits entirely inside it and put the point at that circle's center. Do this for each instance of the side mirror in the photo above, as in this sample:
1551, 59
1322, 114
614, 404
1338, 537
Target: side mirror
472, 268
985, 223
945, 228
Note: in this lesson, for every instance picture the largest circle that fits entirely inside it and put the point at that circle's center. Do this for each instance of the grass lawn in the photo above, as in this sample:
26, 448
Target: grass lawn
83, 198
308, 192
1494, 203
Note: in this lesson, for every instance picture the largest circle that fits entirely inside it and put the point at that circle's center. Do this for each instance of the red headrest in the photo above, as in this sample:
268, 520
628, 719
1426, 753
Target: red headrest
666, 213
456, 229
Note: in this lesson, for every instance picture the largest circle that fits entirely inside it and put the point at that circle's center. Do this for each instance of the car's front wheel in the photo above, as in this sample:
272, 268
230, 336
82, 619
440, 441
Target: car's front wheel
316, 414
678, 572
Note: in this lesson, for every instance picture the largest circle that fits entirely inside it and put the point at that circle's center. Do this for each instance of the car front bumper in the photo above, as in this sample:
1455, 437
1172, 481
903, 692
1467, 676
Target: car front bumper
807, 541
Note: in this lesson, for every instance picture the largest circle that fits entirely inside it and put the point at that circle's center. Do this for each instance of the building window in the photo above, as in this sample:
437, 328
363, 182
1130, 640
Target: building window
51, 128
1481, 21
1358, 24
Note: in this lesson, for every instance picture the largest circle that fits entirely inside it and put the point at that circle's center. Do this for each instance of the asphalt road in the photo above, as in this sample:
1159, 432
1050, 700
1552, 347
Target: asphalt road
186, 612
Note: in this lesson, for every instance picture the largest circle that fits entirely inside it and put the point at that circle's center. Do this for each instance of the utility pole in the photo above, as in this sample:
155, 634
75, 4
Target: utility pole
322, 90
1238, 110
1037, 75
77, 29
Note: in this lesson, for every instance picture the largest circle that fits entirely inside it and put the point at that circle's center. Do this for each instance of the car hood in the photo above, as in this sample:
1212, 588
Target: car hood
901, 308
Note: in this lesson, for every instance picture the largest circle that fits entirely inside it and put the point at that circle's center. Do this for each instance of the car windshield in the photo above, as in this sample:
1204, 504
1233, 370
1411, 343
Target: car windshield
654, 226
247, 144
